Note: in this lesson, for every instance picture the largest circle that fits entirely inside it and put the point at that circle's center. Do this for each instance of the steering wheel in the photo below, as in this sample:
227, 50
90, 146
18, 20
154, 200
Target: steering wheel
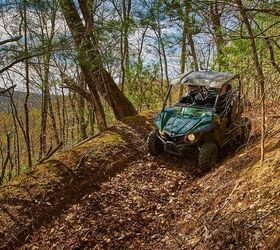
201, 96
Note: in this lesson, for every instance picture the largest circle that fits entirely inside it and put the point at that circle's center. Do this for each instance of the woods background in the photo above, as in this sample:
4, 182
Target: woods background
70, 69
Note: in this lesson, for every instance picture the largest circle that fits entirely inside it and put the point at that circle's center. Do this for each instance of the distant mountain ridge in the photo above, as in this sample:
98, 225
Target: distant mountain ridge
19, 97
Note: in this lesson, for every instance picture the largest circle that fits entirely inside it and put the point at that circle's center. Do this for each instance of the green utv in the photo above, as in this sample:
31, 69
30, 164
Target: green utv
204, 121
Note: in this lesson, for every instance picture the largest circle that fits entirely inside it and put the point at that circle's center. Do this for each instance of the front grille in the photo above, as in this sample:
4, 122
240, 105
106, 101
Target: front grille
177, 139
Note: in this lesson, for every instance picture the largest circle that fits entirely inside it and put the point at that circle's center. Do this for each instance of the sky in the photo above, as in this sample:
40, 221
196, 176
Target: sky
9, 25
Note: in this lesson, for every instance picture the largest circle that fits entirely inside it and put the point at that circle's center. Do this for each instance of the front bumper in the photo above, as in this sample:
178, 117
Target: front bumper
179, 149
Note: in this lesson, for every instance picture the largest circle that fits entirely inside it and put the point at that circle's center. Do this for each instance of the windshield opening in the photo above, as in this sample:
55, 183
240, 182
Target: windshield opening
199, 97
215, 98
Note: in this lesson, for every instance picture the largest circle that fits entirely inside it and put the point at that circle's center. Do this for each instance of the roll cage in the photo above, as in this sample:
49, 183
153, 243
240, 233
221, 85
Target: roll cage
208, 80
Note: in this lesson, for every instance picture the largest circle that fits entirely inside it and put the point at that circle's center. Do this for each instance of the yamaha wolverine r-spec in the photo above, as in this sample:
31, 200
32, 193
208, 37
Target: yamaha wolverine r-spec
203, 122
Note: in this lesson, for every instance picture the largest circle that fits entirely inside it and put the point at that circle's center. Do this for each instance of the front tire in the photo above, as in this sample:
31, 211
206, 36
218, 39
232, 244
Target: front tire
155, 146
208, 154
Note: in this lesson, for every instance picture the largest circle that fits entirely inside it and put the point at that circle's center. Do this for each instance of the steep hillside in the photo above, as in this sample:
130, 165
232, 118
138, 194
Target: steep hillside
108, 193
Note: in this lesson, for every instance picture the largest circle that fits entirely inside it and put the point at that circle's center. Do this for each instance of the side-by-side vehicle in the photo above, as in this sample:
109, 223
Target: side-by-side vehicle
203, 125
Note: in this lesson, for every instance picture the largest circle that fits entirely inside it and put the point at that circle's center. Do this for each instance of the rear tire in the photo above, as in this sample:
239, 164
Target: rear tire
208, 154
155, 146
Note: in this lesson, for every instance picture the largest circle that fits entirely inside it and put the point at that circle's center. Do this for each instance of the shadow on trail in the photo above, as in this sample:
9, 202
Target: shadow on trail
187, 166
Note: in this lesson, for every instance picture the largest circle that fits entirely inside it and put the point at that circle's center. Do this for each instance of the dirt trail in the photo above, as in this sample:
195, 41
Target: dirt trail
131, 210
35, 198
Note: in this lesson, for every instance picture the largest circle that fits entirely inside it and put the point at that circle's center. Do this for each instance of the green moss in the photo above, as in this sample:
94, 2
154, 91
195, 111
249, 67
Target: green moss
145, 117
109, 139
67, 160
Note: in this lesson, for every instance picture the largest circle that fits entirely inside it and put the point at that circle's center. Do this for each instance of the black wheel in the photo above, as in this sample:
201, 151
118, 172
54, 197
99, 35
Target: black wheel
207, 157
246, 127
155, 146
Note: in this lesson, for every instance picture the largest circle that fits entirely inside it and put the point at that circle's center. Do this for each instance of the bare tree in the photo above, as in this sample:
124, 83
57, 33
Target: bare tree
259, 70
95, 74
26, 110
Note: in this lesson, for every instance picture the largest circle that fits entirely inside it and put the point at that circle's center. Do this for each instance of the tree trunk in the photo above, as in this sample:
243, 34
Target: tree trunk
7, 159
44, 108
187, 35
45, 87
122, 63
81, 111
126, 4
99, 111
184, 48
26, 111
159, 36
258, 69
17, 147
90, 118
161, 68
120, 105
96, 76
54, 126
215, 16
57, 98
193, 52
63, 119
75, 115
271, 53
126, 30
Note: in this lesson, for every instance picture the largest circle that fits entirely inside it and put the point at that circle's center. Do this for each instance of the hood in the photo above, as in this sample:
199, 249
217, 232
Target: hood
179, 121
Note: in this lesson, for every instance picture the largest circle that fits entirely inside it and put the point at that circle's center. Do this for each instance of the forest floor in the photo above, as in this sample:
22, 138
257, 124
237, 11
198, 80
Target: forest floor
166, 203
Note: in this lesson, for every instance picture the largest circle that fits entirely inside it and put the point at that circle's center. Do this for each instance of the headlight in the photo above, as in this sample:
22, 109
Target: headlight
191, 137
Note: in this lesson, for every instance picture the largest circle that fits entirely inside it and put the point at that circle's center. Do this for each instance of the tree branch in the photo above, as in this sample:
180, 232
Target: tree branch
50, 153
76, 88
3, 91
271, 53
274, 12
20, 60
13, 39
